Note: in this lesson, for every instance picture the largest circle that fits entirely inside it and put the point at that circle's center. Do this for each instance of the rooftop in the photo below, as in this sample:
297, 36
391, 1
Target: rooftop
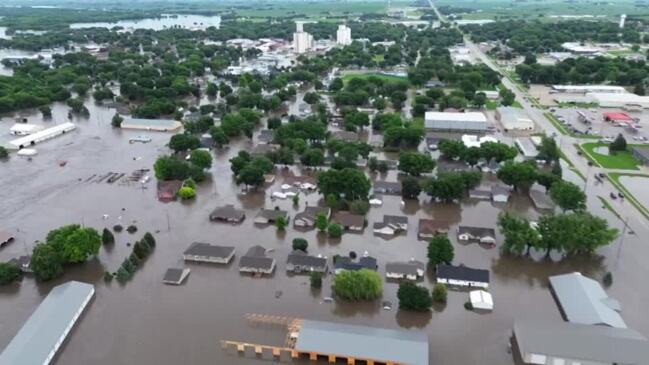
595, 344
348, 219
430, 226
462, 273
584, 301
205, 249
47, 326
456, 117
227, 212
361, 342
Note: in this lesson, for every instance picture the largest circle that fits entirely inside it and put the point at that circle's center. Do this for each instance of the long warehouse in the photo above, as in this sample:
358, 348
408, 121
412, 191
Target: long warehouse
441, 121
41, 136
44, 332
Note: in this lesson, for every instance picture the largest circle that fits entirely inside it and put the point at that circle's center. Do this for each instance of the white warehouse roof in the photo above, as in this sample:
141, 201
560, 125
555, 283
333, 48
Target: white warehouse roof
474, 121
41, 336
618, 100
589, 88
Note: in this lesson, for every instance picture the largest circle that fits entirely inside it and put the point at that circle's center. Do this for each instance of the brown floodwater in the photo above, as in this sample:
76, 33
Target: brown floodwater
147, 322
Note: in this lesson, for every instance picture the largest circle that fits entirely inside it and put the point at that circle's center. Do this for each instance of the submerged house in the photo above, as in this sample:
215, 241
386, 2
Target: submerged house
227, 213
307, 218
204, 252
391, 225
387, 187
481, 234
167, 190
255, 261
342, 263
270, 216
350, 221
428, 228
500, 194
299, 262
175, 276
462, 276
411, 270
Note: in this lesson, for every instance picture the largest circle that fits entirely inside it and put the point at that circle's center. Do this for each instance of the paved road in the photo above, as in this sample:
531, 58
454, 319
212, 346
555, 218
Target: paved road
634, 218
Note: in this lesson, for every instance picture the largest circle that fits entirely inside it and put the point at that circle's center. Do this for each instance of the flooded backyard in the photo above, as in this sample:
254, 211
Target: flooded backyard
147, 322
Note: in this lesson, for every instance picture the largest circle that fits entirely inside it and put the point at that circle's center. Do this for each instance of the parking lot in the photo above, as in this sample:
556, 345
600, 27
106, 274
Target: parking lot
591, 122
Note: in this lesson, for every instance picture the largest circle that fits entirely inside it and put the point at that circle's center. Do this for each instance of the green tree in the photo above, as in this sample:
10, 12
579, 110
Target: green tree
440, 293
212, 90
519, 234
184, 142
9, 273
315, 279
521, 175
311, 98
149, 239
548, 150
335, 230
414, 297
440, 250
451, 149
507, 97
3, 153
186, 193
251, 175
567, 195
281, 223
123, 275
358, 285
410, 188
415, 163
321, 222
46, 111
218, 136
300, 244
201, 158
46, 263
116, 121
618, 145
74, 243
350, 183
575, 233
170, 168
107, 237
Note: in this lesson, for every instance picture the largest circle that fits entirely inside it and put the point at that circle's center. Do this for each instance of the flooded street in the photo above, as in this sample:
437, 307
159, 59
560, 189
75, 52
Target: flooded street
147, 322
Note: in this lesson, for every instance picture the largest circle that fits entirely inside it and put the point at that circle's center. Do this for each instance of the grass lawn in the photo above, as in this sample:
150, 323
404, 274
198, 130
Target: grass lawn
516, 104
614, 177
378, 58
623, 160
314, 9
491, 105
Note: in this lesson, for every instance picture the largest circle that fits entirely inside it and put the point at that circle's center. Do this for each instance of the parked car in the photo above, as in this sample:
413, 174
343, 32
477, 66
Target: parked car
620, 195
613, 196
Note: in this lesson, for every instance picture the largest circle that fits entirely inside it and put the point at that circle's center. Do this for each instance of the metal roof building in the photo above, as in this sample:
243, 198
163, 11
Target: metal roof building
584, 301
619, 100
568, 343
41, 336
514, 118
472, 121
363, 343
527, 148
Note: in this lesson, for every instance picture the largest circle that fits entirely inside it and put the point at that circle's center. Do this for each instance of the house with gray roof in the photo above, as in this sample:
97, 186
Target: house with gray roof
500, 194
480, 194
266, 136
308, 216
204, 252
583, 300
391, 225
255, 261
550, 343
481, 234
270, 216
411, 270
345, 136
227, 213
362, 343
462, 276
301, 262
350, 221
541, 200
342, 263
175, 276
45, 331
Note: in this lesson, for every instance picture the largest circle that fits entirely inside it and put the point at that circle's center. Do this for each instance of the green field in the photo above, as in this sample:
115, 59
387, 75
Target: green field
623, 160
316, 9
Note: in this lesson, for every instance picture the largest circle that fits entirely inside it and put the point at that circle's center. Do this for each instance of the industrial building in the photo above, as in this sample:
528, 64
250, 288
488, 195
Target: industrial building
446, 121
584, 89
625, 101
514, 119
37, 342
160, 125
302, 41
527, 148
583, 301
344, 35
551, 343
41, 136
21, 129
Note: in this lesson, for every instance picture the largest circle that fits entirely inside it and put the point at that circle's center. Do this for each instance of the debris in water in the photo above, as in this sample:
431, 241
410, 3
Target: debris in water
278, 294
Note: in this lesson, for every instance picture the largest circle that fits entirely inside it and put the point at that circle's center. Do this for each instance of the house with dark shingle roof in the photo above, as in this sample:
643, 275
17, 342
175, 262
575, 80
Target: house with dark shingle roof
391, 225
350, 221
462, 276
204, 252
270, 216
481, 234
255, 261
428, 228
301, 262
411, 270
227, 213
346, 263
387, 187
308, 216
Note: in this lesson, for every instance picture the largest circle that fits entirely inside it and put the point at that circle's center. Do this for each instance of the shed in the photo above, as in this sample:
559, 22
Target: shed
174, 276
481, 299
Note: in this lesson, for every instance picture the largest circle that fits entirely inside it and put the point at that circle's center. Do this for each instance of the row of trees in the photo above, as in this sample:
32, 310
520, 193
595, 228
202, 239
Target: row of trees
141, 250
488, 151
